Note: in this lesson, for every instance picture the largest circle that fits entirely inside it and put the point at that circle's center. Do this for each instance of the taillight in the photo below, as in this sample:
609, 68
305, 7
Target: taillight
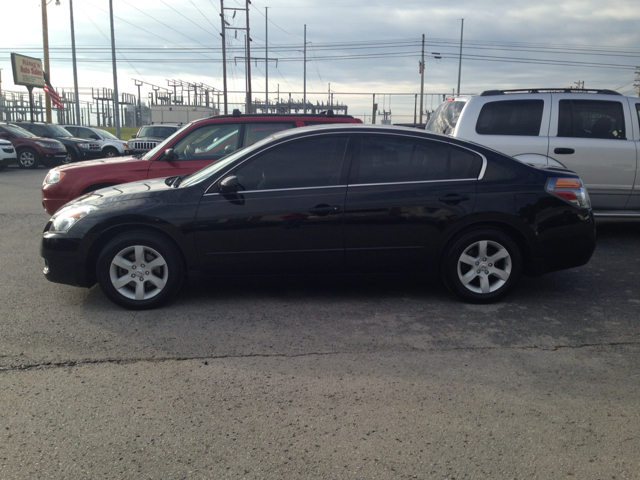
570, 189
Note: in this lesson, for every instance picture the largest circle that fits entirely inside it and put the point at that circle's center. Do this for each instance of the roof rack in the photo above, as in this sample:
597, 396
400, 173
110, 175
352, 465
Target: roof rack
488, 93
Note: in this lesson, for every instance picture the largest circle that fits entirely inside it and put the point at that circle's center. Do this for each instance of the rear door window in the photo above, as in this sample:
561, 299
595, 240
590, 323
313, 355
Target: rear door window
511, 117
391, 160
591, 119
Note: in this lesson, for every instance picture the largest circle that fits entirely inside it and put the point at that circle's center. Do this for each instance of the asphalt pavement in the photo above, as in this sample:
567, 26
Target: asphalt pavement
321, 378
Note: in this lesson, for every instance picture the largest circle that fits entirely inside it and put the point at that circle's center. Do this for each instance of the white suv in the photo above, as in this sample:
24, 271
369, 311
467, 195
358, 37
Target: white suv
110, 145
595, 133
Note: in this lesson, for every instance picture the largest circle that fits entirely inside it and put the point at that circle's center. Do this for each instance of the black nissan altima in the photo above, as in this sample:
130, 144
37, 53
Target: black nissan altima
338, 199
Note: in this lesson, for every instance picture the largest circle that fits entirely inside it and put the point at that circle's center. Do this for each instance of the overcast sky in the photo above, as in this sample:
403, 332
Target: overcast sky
354, 47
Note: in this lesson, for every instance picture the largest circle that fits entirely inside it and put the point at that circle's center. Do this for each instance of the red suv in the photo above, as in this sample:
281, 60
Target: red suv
32, 150
186, 151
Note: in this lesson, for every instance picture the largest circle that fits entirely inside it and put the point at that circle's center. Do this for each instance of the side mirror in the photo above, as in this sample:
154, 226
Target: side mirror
94, 137
169, 154
229, 184
133, 136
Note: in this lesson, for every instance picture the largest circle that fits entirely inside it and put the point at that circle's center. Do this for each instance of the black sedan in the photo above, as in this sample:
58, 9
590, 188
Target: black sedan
338, 199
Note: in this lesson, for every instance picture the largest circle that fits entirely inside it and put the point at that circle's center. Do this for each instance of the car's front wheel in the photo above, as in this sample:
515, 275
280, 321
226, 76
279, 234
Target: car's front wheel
139, 270
28, 158
110, 152
70, 158
482, 266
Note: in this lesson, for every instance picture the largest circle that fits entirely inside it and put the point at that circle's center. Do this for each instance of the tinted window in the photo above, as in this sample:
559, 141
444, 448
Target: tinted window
591, 119
81, 132
638, 111
210, 142
511, 117
257, 131
384, 160
312, 162
445, 118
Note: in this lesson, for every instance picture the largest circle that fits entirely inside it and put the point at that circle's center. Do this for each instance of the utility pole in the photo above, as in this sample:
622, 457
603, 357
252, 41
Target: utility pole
226, 26
460, 57
637, 84
249, 102
375, 108
45, 48
266, 60
224, 57
304, 91
75, 68
116, 107
422, 79
139, 119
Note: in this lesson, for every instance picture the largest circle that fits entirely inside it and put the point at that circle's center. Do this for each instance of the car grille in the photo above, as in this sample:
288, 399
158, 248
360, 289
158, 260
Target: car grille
143, 145
94, 146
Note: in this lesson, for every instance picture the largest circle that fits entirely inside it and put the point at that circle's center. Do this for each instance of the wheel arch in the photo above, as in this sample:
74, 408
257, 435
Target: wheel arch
515, 233
104, 237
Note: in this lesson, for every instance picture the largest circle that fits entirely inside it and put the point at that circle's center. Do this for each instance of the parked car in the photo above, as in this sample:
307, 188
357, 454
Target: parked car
31, 150
189, 149
592, 132
149, 136
77, 148
331, 199
110, 145
7, 153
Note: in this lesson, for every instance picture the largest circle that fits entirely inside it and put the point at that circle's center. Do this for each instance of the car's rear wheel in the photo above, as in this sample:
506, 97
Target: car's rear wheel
139, 270
28, 158
482, 266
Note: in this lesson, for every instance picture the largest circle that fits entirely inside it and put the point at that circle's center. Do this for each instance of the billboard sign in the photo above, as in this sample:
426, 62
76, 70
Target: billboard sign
27, 71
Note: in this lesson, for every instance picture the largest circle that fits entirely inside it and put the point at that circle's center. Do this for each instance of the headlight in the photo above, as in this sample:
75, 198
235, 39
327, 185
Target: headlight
68, 217
86, 146
126, 146
54, 176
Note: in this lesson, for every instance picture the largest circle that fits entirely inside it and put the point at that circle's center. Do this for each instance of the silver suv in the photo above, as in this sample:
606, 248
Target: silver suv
110, 145
595, 133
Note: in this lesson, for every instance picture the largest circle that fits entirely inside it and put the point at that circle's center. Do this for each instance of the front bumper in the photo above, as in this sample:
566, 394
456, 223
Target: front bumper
64, 260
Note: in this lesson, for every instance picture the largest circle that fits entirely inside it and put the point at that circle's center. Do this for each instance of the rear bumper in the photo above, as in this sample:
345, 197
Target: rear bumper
569, 243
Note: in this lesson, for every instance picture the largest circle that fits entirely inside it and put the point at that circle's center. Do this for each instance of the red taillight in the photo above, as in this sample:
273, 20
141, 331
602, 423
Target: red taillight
570, 189
566, 195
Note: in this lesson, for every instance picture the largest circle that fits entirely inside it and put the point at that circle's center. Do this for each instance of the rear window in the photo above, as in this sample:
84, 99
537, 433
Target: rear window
511, 117
591, 119
445, 118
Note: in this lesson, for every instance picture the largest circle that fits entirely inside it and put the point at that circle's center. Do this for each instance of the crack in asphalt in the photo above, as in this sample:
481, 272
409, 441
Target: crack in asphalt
129, 361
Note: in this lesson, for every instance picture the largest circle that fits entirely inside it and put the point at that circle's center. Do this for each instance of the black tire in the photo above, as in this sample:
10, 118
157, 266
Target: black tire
110, 152
482, 266
28, 158
70, 158
139, 264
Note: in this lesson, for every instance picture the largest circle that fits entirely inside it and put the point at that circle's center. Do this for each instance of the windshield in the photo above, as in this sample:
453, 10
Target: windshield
161, 146
215, 167
58, 131
106, 134
18, 131
445, 118
156, 131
